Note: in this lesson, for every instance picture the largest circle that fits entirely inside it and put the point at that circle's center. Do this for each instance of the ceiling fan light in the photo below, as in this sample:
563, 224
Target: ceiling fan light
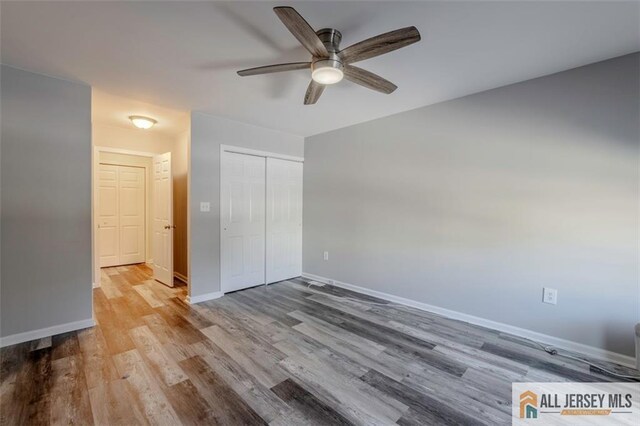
327, 75
142, 122
327, 71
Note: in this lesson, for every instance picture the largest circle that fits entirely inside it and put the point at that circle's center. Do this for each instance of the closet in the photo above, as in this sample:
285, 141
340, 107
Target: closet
121, 214
260, 219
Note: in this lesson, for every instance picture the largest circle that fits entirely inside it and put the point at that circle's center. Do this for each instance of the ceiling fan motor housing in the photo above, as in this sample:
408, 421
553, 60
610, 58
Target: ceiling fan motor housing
331, 39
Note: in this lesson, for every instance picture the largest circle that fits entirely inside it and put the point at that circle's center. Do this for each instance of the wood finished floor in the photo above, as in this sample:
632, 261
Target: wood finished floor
285, 355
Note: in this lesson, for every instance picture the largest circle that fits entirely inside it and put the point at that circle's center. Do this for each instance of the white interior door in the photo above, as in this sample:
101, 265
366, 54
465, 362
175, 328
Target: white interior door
131, 214
284, 219
121, 215
242, 221
108, 246
163, 219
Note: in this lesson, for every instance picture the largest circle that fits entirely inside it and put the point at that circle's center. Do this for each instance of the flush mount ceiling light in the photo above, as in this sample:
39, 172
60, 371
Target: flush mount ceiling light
142, 122
327, 71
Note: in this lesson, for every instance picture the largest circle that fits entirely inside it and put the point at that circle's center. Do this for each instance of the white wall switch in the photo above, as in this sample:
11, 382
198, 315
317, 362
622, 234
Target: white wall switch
205, 206
550, 295
326, 255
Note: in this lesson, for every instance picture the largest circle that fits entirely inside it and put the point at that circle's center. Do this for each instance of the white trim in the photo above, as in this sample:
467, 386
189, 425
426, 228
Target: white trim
181, 277
45, 332
204, 297
589, 351
124, 151
96, 285
266, 154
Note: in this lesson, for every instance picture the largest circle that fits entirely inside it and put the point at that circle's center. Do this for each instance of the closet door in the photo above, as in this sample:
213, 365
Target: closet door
242, 221
108, 215
284, 219
121, 215
131, 214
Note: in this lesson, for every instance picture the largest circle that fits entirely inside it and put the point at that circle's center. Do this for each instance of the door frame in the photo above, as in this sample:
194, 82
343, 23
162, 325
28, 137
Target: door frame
258, 153
95, 259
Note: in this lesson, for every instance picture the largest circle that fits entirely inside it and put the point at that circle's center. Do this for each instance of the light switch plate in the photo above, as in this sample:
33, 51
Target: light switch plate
205, 206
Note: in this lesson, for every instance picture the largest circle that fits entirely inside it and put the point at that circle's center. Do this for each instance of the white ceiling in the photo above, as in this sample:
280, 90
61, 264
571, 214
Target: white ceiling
183, 55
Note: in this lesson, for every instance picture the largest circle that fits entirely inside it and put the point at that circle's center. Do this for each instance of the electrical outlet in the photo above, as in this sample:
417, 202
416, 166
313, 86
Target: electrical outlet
550, 295
205, 206
326, 255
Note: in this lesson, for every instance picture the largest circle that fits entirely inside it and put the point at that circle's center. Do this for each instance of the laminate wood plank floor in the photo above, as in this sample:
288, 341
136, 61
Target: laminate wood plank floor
287, 354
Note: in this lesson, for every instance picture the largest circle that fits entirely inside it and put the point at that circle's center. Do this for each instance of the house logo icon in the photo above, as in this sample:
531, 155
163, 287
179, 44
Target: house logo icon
528, 405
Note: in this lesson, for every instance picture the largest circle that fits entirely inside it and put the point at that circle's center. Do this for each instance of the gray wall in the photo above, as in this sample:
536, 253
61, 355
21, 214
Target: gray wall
478, 203
46, 202
207, 134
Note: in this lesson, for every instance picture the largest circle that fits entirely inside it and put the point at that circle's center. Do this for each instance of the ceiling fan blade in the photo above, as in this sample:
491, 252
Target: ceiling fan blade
268, 69
368, 79
301, 30
380, 44
313, 93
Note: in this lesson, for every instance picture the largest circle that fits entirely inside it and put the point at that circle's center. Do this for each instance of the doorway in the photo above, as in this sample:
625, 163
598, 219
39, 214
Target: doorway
260, 218
133, 211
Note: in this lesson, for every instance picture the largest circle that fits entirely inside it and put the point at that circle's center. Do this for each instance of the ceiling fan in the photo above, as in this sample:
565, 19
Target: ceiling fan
328, 63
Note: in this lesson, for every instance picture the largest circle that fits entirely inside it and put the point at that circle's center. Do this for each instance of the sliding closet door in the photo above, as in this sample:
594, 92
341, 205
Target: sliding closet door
242, 220
284, 219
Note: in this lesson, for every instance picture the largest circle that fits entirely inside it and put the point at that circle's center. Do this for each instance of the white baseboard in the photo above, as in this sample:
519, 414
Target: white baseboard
45, 332
181, 277
590, 351
204, 297
96, 285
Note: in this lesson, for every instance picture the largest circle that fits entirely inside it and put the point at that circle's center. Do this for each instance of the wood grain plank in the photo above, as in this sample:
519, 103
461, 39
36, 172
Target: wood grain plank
190, 406
32, 391
254, 360
424, 408
96, 360
141, 381
149, 296
314, 411
115, 403
64, 345
69, 394
162, 365
228, 407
